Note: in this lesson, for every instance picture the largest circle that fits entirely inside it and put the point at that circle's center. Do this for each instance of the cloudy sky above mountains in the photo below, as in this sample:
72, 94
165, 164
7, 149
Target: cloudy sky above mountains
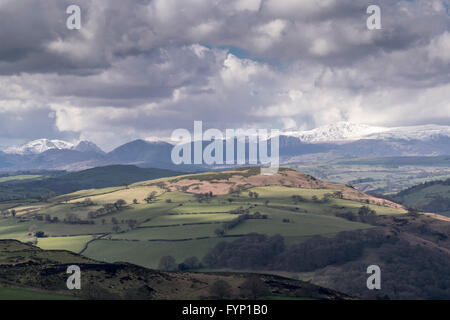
141, 68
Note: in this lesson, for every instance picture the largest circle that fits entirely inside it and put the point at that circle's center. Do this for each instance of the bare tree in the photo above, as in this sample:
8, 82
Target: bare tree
167, 263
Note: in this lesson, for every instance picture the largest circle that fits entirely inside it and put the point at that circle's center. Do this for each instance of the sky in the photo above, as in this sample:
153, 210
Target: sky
142, 68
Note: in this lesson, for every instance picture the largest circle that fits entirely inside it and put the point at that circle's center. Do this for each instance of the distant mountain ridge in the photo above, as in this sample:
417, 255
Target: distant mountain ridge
340, 140
332, 133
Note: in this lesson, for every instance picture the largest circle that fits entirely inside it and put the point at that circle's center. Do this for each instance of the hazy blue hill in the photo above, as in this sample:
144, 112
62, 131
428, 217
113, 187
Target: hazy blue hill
87, 146
108, 176
291, 146
5, 161
142, 151
60, 158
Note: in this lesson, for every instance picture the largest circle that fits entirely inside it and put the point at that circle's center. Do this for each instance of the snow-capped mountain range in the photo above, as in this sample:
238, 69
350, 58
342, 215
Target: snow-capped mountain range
339, 140
340, 132
41, 145
346, 131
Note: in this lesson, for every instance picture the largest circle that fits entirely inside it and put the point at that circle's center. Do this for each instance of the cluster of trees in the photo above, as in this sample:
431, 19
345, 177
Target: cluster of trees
168, 263
253, 195
364, 215
132, 223
72, 218
107, 208
87, 202
326, 197
319, 252
151, 197
47, 218
254, 251
409, 271
207, 196
298, 198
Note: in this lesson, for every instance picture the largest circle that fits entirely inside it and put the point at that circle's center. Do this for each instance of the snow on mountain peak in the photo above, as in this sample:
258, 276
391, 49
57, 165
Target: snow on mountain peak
423, 132
346, 131
39, 146
339, 131
42, 145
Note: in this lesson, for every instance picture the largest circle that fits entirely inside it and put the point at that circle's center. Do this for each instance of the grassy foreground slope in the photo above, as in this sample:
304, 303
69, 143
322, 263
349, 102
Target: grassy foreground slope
30, 294
186, 216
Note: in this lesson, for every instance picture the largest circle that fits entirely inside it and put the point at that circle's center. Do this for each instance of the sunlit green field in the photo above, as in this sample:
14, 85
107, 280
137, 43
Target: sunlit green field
177, 219
75, 244
147, 253
19, 177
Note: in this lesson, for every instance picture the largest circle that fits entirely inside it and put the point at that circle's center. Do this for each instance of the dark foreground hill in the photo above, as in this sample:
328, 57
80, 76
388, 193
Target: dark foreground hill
27, 267
412, 251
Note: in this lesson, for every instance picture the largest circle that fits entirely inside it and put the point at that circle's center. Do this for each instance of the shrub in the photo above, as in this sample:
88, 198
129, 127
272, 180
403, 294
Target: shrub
220, 289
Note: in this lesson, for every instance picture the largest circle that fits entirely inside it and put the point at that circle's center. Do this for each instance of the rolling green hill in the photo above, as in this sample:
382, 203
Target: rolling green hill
288, 224
188, 215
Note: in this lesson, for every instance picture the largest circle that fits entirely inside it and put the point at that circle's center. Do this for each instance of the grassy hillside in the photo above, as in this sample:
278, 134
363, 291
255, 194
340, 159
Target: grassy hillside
289, 224
187, 215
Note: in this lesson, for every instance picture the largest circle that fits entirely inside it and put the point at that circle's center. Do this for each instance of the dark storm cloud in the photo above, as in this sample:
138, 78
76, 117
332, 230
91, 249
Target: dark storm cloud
142, 68
27, 27
145, 76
